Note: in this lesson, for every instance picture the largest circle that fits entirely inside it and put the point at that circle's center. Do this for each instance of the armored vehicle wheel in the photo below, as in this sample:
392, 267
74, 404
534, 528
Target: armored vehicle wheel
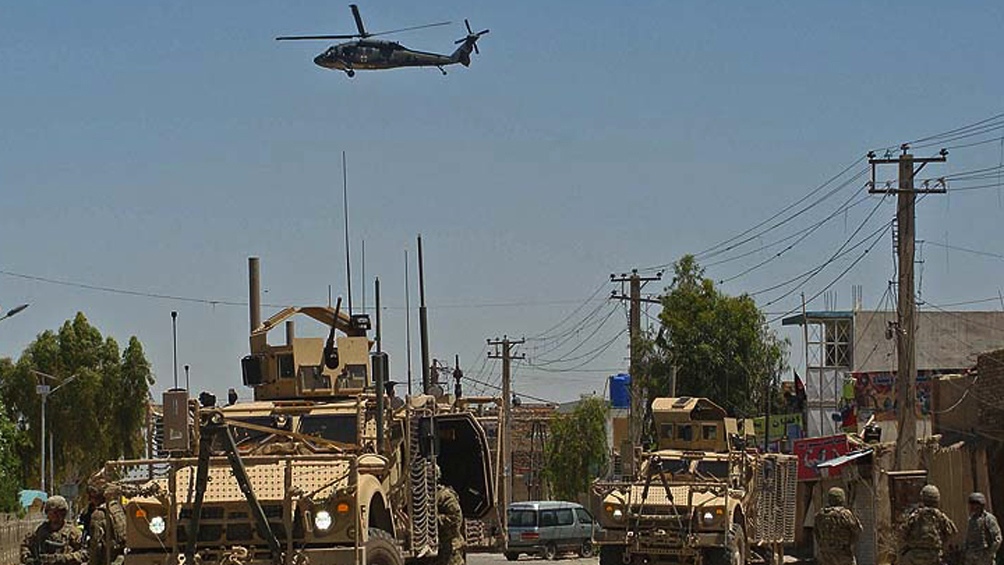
736, 553
511, 556
586, 549
381, 549
550, 551
611, 555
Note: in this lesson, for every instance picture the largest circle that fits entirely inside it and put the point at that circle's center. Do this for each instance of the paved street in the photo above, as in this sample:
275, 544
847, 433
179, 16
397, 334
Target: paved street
498, 558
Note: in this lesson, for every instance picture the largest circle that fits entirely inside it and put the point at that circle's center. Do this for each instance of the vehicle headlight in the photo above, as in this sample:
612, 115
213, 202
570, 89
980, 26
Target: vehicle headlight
617, 514
322, 520
157, 525
708, 518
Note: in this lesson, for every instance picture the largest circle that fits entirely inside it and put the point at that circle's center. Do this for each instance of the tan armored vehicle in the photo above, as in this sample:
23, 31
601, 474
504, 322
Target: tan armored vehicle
321, 468
701, 496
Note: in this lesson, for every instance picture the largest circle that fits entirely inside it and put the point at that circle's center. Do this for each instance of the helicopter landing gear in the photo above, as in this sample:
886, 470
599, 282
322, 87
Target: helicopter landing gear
441, 69
350, 72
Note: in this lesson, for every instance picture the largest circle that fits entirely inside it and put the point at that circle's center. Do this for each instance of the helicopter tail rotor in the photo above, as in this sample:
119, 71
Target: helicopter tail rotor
468, 43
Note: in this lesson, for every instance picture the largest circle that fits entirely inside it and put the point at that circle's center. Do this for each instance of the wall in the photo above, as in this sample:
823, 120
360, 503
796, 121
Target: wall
945, 340
12, 531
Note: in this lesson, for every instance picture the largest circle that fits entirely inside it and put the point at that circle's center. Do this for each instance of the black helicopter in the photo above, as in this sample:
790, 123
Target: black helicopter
371, 54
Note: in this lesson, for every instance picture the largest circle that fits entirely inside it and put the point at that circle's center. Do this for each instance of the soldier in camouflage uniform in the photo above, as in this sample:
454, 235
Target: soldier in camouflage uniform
451, 526
925, 531
983, 534
107, 540
55, 541
836, 530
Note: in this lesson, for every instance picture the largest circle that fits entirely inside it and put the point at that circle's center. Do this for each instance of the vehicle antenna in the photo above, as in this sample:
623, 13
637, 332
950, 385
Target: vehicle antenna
348, 255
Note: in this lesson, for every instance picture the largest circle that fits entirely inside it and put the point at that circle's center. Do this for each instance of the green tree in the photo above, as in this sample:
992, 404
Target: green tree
576, 450
10, 463
98, 416
720, 345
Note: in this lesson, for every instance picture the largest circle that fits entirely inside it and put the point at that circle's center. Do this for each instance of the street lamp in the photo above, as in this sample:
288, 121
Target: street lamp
13, 311
44, 391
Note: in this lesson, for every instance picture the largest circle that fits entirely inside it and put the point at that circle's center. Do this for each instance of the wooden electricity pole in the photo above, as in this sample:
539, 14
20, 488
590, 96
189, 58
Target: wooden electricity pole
638, 400
906, 325
503, 351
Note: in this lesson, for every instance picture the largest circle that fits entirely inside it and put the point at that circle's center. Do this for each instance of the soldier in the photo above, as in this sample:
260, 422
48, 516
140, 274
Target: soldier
836, 530
983, 534
107, 539
925, 530
54, 542
451, 525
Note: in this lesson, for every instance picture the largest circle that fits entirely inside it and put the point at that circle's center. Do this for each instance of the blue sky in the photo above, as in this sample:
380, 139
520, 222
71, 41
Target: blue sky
153, 147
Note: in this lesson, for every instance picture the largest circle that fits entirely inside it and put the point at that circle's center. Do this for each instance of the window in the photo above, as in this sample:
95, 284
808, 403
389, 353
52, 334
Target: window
548, 518
837, 343
565, 517
713, 468
685, 432
523, 518
584, 516
709, 432
666, 431
334, 427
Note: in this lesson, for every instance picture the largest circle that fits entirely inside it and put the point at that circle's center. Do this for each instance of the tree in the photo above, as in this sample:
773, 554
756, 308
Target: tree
720, 345
10, 464
97, 417
576, 451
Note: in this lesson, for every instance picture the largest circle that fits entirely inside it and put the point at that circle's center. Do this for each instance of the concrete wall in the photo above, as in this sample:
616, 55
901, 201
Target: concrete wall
945, 340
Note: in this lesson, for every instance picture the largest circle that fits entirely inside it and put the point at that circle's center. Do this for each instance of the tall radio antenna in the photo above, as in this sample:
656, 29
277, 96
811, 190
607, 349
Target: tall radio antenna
345, 207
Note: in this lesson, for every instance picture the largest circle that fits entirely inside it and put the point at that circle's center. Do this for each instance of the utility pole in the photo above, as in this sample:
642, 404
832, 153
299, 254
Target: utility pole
503, 351
638, 393
906, 325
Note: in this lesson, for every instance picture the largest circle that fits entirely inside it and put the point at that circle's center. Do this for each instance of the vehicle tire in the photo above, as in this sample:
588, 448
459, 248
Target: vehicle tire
611, 555
586, 549
382, 549
511, 556
738, 551
550, 551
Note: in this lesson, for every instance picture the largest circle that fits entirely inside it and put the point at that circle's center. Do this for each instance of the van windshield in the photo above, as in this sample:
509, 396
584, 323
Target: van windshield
522, 518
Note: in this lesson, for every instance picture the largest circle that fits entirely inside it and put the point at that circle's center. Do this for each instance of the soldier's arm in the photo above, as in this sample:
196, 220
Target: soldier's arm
995, 533
856, 528
950, 529
28, 548
77, 553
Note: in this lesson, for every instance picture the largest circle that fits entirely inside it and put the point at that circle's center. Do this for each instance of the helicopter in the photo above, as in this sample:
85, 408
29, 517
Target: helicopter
365, 53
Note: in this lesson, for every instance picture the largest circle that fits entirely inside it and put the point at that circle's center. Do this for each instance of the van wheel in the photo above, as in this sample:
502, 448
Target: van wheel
550, 551
511, 556
586, 549
381, 549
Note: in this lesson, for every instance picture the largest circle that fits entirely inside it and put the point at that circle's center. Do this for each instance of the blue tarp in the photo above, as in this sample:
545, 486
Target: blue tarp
28, 497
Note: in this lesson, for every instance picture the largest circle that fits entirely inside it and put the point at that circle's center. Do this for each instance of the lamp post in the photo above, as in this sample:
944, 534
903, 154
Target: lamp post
44, 391
13, 311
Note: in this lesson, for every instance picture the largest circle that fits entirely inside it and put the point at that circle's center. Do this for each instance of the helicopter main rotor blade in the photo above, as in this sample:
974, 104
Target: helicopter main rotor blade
409, 29
359, 20
311, 37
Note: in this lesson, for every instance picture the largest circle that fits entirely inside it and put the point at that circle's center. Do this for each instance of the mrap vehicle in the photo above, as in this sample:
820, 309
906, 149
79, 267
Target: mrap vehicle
701, 496
322, 467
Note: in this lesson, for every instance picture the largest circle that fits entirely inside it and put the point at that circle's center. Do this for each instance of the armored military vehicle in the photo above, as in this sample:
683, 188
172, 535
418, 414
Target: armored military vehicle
701, 496
321, 468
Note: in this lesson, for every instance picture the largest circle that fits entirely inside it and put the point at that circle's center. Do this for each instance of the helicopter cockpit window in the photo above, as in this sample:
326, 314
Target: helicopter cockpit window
334, 427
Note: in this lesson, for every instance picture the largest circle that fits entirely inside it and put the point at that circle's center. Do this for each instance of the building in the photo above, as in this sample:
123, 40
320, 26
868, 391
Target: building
851, 362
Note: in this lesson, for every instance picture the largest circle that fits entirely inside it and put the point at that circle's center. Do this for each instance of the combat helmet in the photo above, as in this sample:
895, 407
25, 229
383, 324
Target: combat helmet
930, 495
97, 483
836, 497
978, 498
56, 503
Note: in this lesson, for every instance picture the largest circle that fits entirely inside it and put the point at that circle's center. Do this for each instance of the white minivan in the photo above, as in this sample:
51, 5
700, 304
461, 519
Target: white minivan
548, 528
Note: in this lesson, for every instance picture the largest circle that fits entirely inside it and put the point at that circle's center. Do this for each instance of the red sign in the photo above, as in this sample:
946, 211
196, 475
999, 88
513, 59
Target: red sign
813, 451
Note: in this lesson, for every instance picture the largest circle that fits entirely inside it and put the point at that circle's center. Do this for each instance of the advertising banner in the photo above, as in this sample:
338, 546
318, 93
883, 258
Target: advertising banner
812, 451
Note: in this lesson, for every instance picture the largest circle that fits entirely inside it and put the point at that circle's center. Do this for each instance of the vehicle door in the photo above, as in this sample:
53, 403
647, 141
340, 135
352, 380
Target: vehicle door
584, 524
464, 461
549, 531
522, 525
567, 534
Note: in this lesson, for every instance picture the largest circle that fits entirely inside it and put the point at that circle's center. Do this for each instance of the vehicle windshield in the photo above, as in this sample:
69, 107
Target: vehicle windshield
334, 427
244, 437
522, 518
674, 466
713, 469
